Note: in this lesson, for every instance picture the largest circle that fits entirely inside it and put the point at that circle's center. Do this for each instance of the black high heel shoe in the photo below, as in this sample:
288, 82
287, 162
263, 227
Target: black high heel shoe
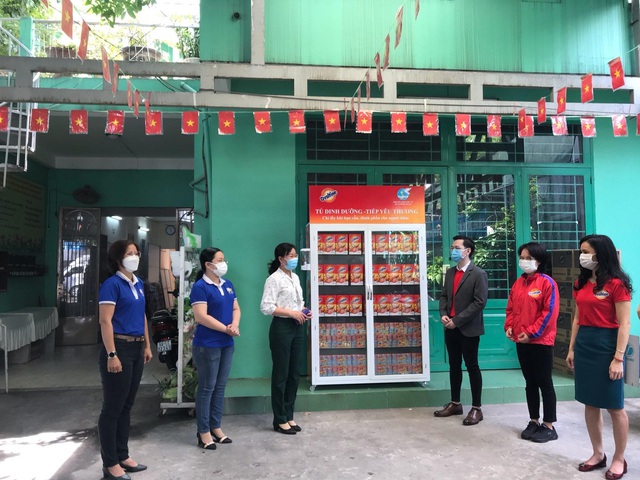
222, 439
137, 468
206, 446
107, 474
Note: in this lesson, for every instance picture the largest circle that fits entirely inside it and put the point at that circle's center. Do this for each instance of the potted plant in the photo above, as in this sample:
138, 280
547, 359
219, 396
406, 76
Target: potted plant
189, 43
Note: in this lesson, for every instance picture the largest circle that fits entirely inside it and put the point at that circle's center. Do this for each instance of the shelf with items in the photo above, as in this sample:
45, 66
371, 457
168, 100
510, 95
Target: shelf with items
340, 243
395, 242
398, 363
343, 365
342, 335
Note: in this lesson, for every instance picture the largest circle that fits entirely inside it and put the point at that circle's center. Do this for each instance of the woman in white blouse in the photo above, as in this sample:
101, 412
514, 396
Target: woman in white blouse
282, 298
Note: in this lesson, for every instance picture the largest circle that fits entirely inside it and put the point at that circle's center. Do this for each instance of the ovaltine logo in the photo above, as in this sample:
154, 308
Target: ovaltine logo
535, 293
328, 195
602, 294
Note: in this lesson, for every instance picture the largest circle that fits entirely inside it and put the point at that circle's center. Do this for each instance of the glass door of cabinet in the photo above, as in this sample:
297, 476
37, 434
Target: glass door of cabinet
397, 302
341, 304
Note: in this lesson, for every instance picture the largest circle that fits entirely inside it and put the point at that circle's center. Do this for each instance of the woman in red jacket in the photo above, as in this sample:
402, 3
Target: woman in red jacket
531, 322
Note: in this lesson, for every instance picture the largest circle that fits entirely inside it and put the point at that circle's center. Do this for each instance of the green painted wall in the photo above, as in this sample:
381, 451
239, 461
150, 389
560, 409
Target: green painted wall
617, 196
252, 192
571, 36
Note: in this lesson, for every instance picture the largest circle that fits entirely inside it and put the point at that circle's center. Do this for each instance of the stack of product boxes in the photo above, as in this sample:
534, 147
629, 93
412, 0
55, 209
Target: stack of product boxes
565, 268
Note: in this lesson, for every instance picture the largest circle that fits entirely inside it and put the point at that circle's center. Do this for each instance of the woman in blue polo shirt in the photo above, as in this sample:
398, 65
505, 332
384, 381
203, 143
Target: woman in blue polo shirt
124, 352
217, 313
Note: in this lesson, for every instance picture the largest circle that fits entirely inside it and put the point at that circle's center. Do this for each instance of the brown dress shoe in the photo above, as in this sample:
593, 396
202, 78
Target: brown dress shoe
448, 410
474, 417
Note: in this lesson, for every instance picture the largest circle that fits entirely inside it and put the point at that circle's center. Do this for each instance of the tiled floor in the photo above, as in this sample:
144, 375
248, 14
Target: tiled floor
69, 367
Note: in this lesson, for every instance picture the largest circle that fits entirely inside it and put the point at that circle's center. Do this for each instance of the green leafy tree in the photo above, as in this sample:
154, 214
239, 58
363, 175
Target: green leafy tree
16, 9
111, 10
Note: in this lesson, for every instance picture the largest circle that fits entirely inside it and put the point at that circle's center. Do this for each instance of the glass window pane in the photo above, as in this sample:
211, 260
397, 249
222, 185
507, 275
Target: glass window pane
486, 214
557, 210
544, 147
433, 222
336, 178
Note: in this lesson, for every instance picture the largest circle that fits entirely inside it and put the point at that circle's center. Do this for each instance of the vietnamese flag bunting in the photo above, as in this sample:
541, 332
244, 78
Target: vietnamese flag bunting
262, 121
4, 119
226, 123
586, 89
147, 104
542, 110
430, 124
398, 122
353, 111
78, 122
522, 118
617, 73
359, 95
561, 100
526, 129
619, 125
66, 25
106, 74
114, 83
399, 15
364, 124
559, 125
331, 121
136, 103
385, 58
463, 124
39, 120
376, 60
494, 126
296, 121
417, 11
367, 80
115, 122
153, 123
190, 122
588, 125
129, 95
45, 3
84, 41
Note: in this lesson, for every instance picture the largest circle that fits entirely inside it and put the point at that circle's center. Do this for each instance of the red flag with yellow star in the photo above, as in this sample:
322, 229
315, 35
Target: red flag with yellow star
417, 8
364, 124
463, 124
296, 121
522, 118
617, 73
367, 80
376, 61
559, 125
542, 110
398, 122
262, 122
4, 119
84, 41
586, 89
115, 122
129, 95
114, 83
561, 100
78, 122
526, 128
588, 125
399, 15
190, 122
226, 123
494, 126
136, 103
153, 123
430, 124
66, 25
385, 58
106, 73
619, 126
39, 120
331, 121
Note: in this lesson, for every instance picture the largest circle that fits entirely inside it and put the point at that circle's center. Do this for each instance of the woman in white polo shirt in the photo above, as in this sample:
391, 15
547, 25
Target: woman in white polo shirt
217, 313
125, 350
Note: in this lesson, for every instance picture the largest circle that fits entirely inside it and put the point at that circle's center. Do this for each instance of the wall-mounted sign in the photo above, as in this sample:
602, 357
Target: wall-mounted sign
22, 215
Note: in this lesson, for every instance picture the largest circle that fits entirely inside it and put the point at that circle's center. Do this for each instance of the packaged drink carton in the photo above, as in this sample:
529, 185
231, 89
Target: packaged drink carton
355, 244
416, 303
394, 242
322, 306
355, 306
356, 274
330, 306
407, 304
408, 272
322, 243
342, 305
321, 274
395, 274
381, 274
330, 243
342, 274
330, 274
396, 304
384, 305
342, 244
406, 242
380, 242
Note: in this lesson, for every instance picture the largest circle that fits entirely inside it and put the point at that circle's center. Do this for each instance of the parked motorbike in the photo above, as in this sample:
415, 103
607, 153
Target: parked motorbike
164, 332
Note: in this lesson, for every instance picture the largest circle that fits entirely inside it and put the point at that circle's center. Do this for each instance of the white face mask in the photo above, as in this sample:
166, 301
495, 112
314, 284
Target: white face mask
528, 266
130, 263
586, 261
220, 269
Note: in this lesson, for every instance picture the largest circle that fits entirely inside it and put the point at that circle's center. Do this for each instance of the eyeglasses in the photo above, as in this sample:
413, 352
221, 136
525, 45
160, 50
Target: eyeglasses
132, 254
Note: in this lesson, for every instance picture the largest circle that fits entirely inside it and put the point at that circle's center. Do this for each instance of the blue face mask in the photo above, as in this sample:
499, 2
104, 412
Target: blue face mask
456, 255
292, 263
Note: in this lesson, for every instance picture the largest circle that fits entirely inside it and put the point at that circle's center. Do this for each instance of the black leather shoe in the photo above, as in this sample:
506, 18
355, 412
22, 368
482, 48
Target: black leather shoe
448, 410
206, 446
288, 431
297, 428
585, 467
138, 468
223, 439
474, 417
107, 474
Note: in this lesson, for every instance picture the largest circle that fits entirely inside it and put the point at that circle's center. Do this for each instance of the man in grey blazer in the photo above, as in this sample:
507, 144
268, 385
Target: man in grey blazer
461, 303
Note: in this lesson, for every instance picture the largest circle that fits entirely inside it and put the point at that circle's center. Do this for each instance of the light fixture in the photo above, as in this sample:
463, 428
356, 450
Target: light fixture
143, 229
116, 217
